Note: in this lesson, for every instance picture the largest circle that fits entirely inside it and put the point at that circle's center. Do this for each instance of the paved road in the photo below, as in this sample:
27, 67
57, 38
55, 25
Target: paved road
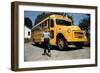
34, 53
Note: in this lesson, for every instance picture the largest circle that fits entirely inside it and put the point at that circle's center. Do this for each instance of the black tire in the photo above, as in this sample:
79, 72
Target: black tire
79, 45
62, 43
36, 43
33, 40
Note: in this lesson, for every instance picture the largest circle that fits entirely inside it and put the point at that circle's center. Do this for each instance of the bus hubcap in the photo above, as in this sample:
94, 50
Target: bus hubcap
60, 43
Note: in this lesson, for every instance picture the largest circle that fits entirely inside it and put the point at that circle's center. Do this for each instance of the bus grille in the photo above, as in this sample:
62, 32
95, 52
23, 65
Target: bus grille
78, 34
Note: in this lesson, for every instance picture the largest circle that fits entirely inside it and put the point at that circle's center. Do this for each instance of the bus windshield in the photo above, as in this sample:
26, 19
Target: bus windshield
63, 22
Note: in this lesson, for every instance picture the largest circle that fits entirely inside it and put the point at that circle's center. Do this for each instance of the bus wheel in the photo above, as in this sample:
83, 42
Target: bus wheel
61, 43
36, 43
79, 45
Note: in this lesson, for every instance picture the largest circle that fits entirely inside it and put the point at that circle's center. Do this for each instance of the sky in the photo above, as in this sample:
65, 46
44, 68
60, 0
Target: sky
76, 16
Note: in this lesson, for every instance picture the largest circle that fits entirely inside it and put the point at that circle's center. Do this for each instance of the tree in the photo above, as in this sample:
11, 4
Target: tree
41, 17
85, 25
46, 14
70, 17
28, 22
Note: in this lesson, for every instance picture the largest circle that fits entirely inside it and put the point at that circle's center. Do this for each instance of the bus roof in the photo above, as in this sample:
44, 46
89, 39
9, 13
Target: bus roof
53, 16
60, 17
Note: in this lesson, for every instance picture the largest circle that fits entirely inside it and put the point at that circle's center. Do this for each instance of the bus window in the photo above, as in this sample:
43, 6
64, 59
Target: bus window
45, 23
42, 25
51, 34
52, 23
63, 22
48, 23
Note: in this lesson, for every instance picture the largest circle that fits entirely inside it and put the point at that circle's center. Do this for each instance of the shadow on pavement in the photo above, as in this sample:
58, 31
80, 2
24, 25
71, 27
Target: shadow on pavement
56, 48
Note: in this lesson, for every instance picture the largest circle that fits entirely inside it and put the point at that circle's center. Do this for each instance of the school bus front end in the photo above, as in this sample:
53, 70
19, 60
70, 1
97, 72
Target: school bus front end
71, 35
66, 33
75, 34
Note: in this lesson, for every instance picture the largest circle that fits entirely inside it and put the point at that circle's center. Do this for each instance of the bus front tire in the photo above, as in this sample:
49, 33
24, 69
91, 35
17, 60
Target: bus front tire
62, 43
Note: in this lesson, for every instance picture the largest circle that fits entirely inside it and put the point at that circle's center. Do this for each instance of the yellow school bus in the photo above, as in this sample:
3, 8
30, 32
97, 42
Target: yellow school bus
62, 32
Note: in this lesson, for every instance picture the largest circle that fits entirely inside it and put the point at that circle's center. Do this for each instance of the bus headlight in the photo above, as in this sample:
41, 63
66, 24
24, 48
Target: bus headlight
69, 30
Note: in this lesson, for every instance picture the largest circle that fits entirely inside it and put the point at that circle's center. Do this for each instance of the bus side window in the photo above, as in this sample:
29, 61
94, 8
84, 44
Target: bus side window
52, 23
48, 23
42, 25
45, 23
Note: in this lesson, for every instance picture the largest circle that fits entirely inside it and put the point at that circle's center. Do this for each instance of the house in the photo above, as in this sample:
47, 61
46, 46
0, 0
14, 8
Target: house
27, 28
27, 32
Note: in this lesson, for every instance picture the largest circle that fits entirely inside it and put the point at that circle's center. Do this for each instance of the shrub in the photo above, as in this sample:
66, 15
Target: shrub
26, 40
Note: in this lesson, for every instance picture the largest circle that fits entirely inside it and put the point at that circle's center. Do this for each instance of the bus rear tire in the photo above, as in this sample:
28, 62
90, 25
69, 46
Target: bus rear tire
36, 43
62, 43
